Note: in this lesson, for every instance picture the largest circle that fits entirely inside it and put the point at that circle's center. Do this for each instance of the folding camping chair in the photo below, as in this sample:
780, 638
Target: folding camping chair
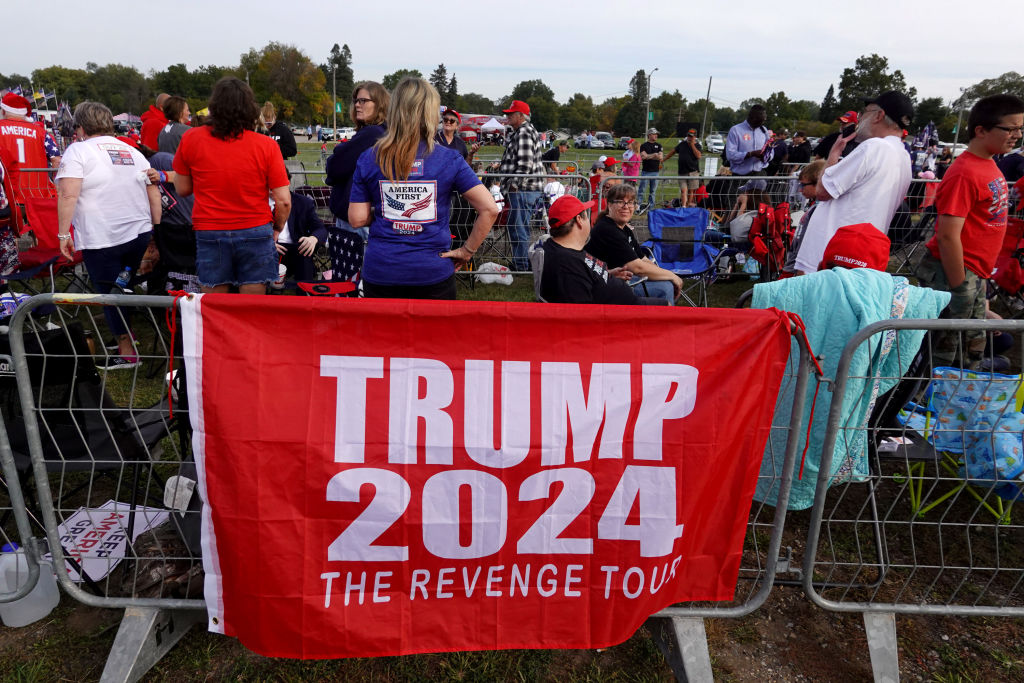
908, 238
677, 242
45, 257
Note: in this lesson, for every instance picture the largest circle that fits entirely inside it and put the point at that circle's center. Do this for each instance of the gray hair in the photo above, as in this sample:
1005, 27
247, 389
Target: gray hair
94, 118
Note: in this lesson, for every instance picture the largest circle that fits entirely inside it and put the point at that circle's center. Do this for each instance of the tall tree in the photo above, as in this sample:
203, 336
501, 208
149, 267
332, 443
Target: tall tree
870, 77
122, 88
439, 79
69, 85
338, 76
452, 95
607, 111
829, 106
392, 79
930, 110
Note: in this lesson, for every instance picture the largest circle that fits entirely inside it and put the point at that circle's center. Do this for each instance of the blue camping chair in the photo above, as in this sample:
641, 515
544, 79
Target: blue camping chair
677, 242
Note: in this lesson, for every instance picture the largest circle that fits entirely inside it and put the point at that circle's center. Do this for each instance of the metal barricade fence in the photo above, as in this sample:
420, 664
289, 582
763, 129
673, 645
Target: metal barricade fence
15, 528
103, 444
679, 630
105, 455
931, 529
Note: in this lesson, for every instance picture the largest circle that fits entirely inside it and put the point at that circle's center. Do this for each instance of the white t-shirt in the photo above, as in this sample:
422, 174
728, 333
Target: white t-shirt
113, 207
867, 187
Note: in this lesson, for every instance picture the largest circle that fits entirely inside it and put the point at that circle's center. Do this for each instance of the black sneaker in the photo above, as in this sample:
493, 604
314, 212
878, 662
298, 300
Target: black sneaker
119, 363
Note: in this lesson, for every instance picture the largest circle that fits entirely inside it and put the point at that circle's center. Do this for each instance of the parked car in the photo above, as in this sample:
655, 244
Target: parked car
624, 141
327, 133
580, 141
714, 143
607, 141
346, 133
298, 130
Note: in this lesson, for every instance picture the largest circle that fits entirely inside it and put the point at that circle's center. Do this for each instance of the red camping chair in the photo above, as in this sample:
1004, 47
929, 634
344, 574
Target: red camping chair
45, 256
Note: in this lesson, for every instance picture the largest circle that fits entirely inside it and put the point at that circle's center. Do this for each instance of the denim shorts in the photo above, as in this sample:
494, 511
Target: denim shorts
236, 257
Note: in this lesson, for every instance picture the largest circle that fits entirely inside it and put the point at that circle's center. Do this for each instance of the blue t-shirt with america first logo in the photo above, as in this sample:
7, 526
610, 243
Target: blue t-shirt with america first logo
410, 217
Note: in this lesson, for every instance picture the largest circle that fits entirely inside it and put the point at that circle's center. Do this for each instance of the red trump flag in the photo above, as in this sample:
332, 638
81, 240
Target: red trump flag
390, 477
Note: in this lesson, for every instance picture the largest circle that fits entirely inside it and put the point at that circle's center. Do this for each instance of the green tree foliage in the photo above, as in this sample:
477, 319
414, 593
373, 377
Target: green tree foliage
607, 110
543, 108
629, 120
578, 113
475, 103
1011, 83
453, 91
70, 85
284, 75
14, 80
930, 109
338, 77
668, 107
392, 79
869, 77
829, 106
122, 88
439, 79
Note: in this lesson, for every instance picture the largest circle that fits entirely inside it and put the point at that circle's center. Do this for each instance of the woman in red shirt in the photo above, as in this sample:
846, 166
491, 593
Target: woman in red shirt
233, 172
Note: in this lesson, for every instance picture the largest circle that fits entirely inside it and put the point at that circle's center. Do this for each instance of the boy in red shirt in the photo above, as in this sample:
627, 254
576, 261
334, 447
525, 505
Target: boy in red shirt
972, 203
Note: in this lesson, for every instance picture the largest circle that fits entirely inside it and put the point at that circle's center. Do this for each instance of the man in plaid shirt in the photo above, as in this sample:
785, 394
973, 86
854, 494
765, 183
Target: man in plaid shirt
522, 156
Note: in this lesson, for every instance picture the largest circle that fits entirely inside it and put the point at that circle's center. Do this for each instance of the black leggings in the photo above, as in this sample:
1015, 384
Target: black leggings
442, 290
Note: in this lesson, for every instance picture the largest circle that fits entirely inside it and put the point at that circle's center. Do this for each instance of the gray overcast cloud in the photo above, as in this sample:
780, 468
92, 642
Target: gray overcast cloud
750, 48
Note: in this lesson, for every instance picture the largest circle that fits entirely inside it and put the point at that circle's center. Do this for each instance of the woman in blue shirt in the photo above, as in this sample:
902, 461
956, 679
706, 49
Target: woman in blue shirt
402, 189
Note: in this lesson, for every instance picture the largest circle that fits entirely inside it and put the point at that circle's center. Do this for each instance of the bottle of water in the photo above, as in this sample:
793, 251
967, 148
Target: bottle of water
39, 602
121, 283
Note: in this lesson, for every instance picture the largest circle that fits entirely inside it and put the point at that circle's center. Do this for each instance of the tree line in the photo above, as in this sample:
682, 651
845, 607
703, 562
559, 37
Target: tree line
303, 92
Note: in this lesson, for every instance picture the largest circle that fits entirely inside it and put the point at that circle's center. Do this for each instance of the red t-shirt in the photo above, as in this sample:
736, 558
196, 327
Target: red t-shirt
231, 179
975, 189
22, 145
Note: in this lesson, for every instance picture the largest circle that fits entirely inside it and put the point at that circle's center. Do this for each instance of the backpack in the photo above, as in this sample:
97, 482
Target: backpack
771, 234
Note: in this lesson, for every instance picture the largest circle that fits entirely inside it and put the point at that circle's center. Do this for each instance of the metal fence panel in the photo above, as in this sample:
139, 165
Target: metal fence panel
918, 537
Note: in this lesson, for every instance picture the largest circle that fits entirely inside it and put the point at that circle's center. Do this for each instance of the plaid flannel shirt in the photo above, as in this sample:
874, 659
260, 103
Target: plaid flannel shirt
522, 155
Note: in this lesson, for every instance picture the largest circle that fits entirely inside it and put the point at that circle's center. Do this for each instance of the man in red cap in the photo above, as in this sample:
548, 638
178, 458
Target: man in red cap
847, 125
570, 274
521, 157
26, 144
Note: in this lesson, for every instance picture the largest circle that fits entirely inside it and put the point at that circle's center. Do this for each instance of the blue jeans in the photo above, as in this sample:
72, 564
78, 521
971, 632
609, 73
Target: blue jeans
521, 206
104, 265
648, 178
660, 289
344, 225
236, 257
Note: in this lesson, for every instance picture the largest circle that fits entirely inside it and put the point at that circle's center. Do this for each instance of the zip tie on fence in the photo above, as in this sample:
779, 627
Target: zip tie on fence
798, 323
171, 318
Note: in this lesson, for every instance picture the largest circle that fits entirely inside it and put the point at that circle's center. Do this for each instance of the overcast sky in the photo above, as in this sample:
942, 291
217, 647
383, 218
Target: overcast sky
750, 48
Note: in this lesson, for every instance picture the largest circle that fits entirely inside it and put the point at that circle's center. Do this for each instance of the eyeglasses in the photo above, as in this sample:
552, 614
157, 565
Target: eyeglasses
451, 120
1011, 130
361, 100
626, 203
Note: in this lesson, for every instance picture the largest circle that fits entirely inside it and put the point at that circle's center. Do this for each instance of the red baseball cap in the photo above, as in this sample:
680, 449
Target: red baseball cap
16, 104
519, 106
849, 117
449, 110
610, 161
857, 246
565, 208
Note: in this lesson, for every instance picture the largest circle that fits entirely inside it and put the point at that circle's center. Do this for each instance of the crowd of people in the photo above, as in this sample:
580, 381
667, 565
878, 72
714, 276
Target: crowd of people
395, 185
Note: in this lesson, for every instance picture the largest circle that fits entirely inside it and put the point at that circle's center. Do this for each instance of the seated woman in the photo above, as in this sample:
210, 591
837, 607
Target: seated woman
613, 241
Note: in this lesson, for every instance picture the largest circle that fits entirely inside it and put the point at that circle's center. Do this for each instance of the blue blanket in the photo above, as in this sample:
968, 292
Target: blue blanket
834, 305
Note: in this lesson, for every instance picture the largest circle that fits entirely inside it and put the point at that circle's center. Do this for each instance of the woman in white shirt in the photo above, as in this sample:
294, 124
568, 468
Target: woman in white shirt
103, 190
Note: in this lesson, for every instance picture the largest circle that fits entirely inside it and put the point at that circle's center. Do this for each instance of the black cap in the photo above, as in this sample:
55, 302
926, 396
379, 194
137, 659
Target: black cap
896, 106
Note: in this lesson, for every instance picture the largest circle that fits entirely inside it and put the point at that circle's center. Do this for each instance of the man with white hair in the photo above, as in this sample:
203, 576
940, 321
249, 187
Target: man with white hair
25, 143
866, 186
521, 157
